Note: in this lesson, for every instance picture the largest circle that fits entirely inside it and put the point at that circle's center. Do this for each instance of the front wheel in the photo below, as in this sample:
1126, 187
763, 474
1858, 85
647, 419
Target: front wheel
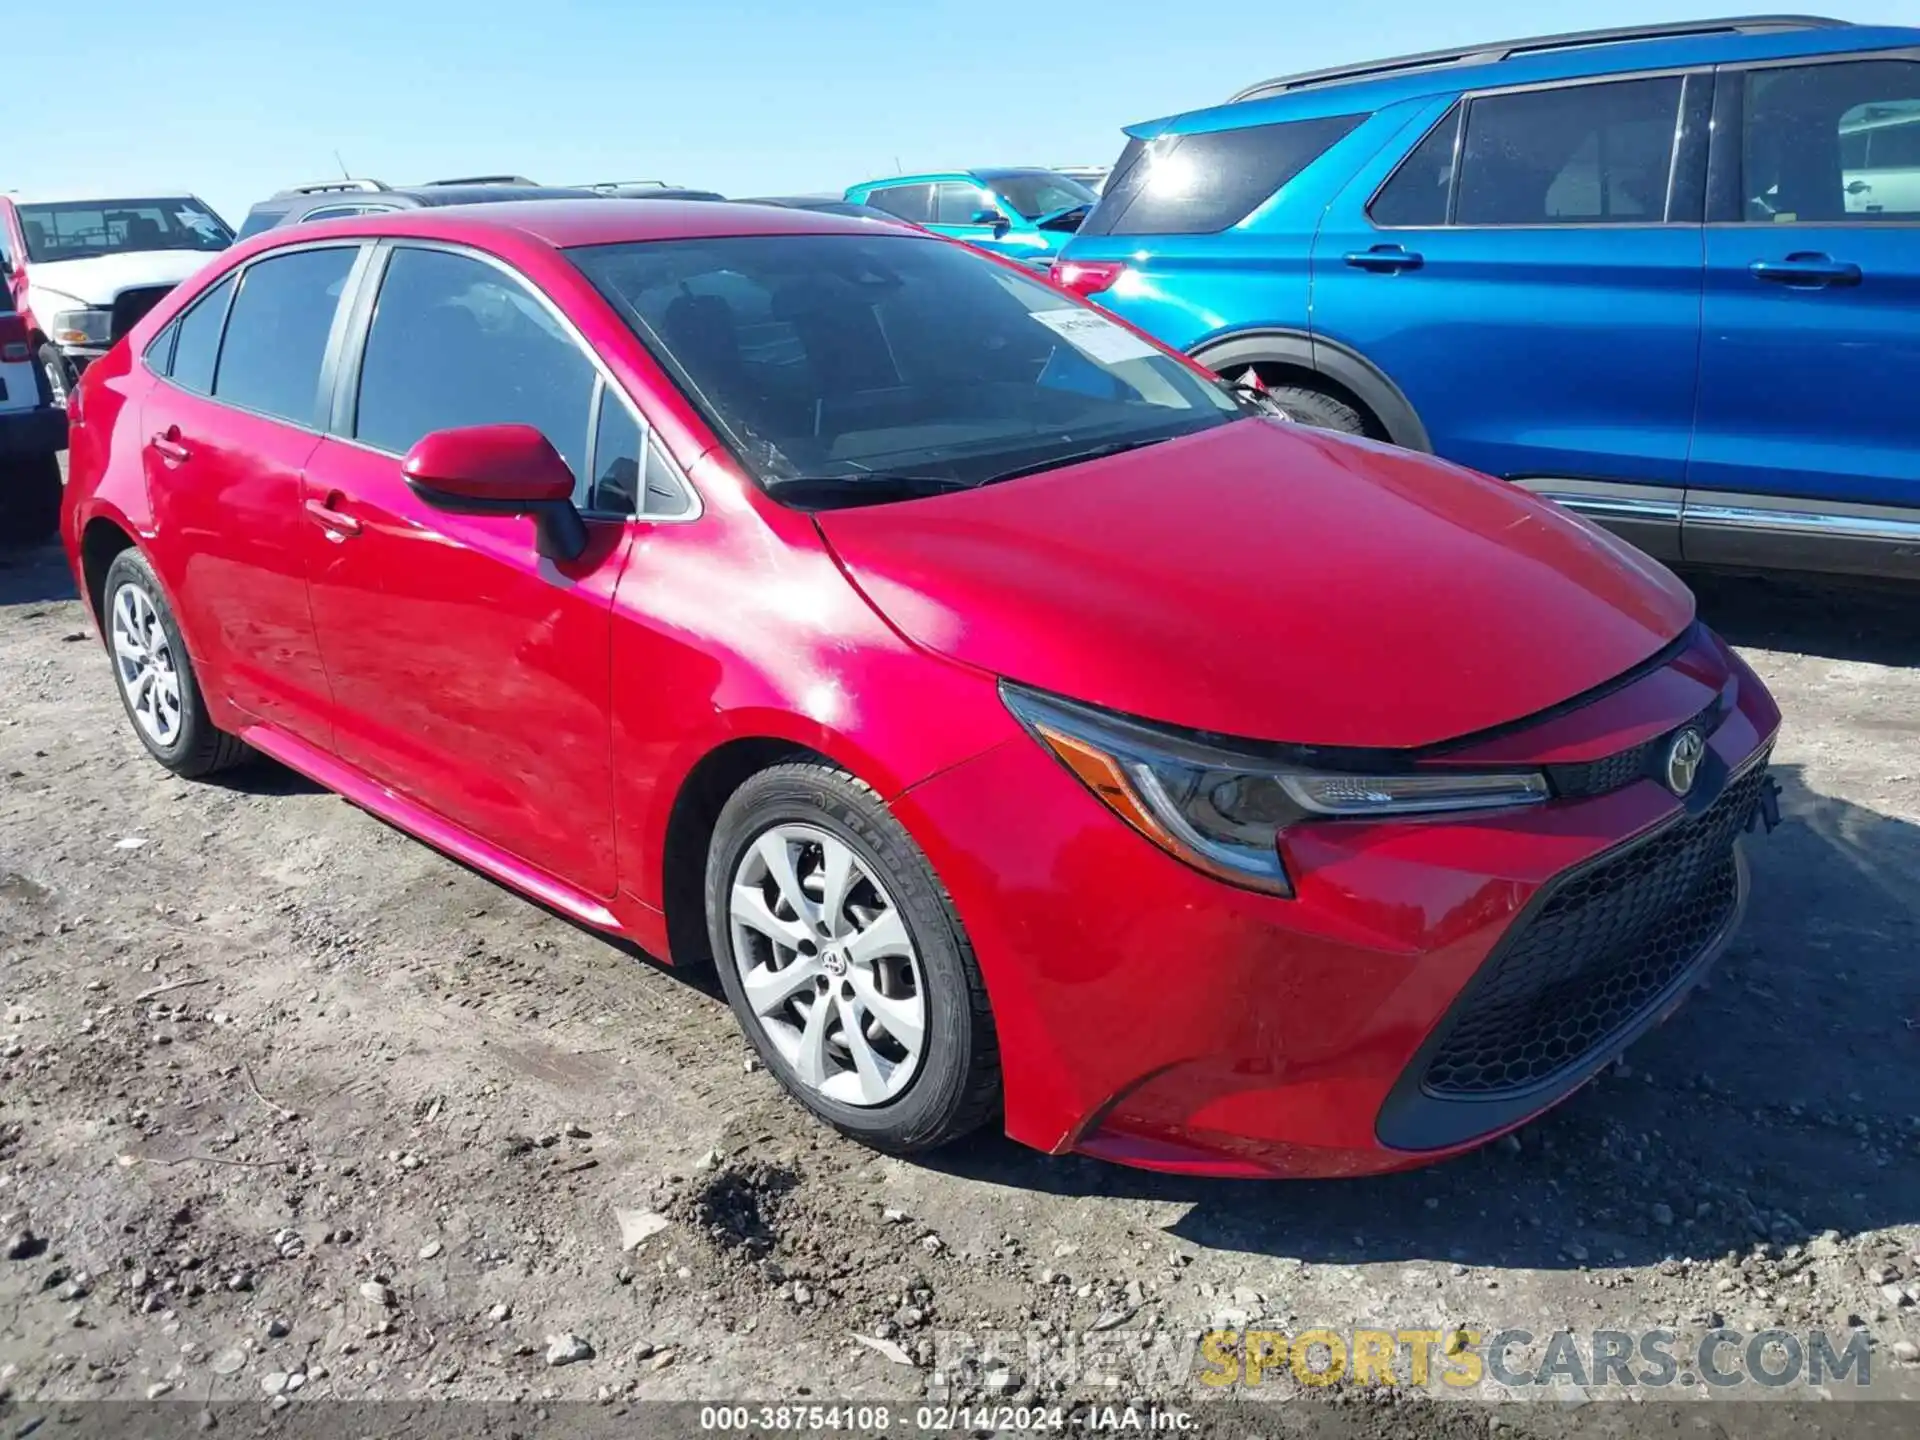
845, 963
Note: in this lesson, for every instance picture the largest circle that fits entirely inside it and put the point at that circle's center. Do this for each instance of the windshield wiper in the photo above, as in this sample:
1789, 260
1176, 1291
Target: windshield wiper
1076, 457
836, 491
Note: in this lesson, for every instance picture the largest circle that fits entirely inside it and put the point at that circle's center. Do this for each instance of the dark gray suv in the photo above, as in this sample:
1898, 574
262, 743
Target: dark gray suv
333, 199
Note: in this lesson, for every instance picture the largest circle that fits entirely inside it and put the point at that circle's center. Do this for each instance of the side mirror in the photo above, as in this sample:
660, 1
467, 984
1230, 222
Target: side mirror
500, 470
999, 222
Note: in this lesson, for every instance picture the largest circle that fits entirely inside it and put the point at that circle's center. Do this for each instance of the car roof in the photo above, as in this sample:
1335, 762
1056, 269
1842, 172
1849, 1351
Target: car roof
480, 194
1365, 89
925, 177
563, 224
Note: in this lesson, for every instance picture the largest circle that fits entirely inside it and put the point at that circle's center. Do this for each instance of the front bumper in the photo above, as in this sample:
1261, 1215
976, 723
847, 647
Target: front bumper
38, 431
1150, 1015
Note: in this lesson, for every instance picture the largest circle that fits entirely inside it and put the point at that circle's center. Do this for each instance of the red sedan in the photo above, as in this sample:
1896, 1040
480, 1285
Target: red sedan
1023, 721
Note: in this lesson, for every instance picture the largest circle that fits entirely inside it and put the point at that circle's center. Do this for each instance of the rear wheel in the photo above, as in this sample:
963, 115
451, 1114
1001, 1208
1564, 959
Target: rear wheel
1318, 409
29, 499
845, 963
156, 678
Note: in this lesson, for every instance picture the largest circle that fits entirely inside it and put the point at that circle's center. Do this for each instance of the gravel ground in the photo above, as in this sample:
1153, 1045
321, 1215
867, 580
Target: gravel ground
293, 1107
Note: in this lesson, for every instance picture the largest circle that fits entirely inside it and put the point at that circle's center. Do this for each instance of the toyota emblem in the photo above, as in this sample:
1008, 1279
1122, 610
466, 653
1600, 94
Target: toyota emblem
1689, 748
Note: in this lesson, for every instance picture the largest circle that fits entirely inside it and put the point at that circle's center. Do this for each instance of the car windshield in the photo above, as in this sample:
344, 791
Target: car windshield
84, 229
1038, 193
849, 369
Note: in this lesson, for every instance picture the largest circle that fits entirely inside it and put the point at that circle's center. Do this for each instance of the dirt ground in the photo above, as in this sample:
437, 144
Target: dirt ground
293, 1108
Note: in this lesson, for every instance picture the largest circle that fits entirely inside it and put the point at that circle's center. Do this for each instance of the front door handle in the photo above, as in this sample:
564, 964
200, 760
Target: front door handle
168, 447
1385, 259
337, 523
1807, 270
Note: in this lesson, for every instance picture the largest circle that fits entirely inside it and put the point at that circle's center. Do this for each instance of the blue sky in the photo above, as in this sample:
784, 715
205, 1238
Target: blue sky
236, 98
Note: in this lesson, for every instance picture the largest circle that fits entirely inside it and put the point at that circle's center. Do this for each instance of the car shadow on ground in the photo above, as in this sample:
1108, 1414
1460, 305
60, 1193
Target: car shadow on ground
1780, 1101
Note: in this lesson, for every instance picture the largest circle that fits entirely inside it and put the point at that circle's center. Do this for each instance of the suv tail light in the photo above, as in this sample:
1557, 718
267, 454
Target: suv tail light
13, 340
1086, 277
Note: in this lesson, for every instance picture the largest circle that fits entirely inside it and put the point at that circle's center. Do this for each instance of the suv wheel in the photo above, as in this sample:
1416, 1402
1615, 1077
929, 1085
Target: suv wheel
1318, 409
155, 674
845, 963
29, 499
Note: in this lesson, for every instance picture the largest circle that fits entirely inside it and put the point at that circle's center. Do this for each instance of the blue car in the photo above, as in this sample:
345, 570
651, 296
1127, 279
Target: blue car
1028, 214
1669, 276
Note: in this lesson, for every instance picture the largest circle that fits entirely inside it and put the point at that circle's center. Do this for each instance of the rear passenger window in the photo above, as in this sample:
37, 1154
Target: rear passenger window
1577, 155
1199, 184
197, 340
1417, 193
908, 202
456, 342
277, 333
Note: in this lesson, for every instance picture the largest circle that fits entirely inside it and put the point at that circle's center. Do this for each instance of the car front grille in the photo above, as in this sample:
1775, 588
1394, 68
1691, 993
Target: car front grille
1603, 947
130, 307
1583, 780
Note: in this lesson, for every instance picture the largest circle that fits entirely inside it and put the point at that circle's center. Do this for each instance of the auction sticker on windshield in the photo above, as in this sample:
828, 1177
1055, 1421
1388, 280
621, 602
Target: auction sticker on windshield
1095, 336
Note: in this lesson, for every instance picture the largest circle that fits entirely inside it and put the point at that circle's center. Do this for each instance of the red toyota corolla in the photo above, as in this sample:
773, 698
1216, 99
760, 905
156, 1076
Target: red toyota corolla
1022, 720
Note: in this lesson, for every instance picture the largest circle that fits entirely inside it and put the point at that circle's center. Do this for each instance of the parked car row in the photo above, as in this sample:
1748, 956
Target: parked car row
1666, 275
1669, 276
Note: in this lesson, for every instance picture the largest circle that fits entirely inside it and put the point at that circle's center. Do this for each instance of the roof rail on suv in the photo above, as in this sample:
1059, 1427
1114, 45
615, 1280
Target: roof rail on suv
1507, 49
483, 180
322, 187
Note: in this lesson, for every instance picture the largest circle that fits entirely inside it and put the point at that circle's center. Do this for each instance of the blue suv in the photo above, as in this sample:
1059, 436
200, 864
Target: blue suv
1669, 276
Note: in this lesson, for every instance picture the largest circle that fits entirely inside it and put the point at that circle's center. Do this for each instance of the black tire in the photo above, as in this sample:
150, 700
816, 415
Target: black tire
29, 499
199, 748
1318, 409
56, 376
957, 1086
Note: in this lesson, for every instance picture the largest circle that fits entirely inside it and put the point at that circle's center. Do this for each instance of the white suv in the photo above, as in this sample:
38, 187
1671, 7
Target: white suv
83, 271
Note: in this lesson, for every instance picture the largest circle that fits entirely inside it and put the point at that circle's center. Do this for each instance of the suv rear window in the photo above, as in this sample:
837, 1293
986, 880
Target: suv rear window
1200, 184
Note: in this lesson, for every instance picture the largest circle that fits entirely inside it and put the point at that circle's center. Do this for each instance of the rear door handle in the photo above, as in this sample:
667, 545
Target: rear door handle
1809, 271
338, 524
1384, 259
168, 447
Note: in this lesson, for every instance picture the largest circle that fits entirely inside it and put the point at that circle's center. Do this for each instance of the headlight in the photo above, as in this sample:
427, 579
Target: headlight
83, 327
1222, 810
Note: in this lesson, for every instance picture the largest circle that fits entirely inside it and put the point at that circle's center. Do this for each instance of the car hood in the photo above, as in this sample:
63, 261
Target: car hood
1268, 581
99, 280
